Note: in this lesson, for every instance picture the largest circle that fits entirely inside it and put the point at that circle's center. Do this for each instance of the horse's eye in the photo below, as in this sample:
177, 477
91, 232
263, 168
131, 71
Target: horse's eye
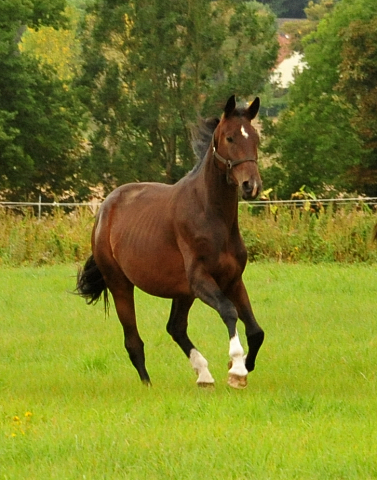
229, 139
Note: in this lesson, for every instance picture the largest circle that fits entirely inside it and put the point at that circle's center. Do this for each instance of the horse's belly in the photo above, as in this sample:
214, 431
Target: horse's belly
159, 273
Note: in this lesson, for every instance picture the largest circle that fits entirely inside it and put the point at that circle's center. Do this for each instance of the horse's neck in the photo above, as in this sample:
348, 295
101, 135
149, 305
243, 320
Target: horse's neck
221, 198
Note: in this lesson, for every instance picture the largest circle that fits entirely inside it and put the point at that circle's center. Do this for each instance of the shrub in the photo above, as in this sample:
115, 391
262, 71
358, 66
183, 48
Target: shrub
55, 238
289, 234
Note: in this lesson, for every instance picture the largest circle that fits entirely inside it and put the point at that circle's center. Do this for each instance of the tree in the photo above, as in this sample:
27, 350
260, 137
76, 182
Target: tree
59, 48
299, 29
358, 83
151, 66
318, 141
39, 116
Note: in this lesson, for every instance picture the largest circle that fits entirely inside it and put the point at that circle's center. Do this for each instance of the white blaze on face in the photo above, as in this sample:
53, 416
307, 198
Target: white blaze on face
244, 132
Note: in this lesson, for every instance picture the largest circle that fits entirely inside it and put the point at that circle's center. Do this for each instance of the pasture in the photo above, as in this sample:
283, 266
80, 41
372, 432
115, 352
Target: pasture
72, 406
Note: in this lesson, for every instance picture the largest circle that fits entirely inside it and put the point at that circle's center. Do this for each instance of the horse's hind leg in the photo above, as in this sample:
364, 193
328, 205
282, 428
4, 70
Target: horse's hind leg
123, 294
177, 327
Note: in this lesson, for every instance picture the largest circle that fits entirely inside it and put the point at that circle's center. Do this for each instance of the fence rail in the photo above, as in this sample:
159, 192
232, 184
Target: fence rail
370, 201
322, 201
40, 204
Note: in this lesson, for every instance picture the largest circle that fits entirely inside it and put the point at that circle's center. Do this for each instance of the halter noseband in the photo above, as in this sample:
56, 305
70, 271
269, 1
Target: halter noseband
228, 163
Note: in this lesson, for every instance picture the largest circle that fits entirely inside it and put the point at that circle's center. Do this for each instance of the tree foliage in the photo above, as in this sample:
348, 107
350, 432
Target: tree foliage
39, 116
151, 66
358, 76
323, 138
59, 48
299, 29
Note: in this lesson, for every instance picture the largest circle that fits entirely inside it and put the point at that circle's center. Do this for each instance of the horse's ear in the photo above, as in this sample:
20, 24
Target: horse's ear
230, 106
253, 109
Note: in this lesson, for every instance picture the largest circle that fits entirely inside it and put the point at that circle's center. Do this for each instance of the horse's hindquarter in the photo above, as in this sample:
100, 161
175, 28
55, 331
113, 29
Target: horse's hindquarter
137, 220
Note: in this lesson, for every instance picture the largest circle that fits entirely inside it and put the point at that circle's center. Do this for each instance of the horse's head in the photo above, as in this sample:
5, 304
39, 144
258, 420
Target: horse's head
235, 143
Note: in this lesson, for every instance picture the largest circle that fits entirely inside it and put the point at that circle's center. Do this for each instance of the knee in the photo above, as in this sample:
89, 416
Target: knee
133, 345
171, 329
229, 314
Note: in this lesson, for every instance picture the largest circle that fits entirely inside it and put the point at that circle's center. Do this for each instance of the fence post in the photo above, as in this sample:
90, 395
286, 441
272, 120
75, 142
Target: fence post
39, 207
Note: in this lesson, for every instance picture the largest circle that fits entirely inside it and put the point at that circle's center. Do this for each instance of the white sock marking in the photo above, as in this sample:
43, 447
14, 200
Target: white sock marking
236, 354
200, 365
244, 132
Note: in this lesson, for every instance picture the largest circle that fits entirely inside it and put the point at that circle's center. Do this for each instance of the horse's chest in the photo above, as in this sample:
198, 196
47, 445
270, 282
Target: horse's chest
223, 257
229, 267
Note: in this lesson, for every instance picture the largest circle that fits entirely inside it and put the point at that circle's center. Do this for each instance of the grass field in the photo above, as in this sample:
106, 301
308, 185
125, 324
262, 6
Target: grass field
72, 406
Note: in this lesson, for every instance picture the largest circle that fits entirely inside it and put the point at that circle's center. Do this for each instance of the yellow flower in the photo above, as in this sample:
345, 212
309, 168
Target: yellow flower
16, 419
28, 414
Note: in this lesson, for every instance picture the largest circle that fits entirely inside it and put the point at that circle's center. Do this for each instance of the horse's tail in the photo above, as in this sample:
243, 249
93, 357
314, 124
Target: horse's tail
91, 284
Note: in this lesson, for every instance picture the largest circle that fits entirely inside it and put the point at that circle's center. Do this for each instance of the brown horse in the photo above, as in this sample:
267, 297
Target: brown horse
182, 242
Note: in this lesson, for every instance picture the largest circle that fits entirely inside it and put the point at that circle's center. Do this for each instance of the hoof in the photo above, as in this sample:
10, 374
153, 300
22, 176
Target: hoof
237, 381
205, 384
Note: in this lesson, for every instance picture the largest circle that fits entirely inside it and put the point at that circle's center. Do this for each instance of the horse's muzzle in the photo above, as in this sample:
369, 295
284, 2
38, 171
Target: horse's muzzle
251, 190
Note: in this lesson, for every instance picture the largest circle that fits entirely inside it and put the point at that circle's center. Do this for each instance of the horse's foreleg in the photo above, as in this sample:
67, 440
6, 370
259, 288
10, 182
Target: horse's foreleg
205, 288
177, 328
200, 366
254, 332
237, 375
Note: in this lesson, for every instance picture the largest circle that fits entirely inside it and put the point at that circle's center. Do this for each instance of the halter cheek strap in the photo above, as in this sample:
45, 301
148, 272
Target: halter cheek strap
228, 163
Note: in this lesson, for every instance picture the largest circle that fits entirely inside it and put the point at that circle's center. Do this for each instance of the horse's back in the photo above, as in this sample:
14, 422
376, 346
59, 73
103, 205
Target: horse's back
134, 192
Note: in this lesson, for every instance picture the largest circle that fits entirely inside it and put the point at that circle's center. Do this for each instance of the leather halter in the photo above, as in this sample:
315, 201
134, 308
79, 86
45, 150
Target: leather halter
228, 163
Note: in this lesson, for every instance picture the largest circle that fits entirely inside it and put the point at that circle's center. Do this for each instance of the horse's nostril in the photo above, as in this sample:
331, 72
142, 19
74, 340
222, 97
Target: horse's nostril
246, 186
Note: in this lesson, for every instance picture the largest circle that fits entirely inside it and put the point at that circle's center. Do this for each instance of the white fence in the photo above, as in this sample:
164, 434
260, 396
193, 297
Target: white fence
92, 205
371, 202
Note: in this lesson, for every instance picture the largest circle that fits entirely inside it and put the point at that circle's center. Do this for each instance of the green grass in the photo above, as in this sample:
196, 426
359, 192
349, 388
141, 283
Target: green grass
72, 406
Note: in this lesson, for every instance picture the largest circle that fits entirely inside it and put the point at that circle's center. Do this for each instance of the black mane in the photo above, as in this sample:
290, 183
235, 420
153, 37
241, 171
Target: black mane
202, 137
